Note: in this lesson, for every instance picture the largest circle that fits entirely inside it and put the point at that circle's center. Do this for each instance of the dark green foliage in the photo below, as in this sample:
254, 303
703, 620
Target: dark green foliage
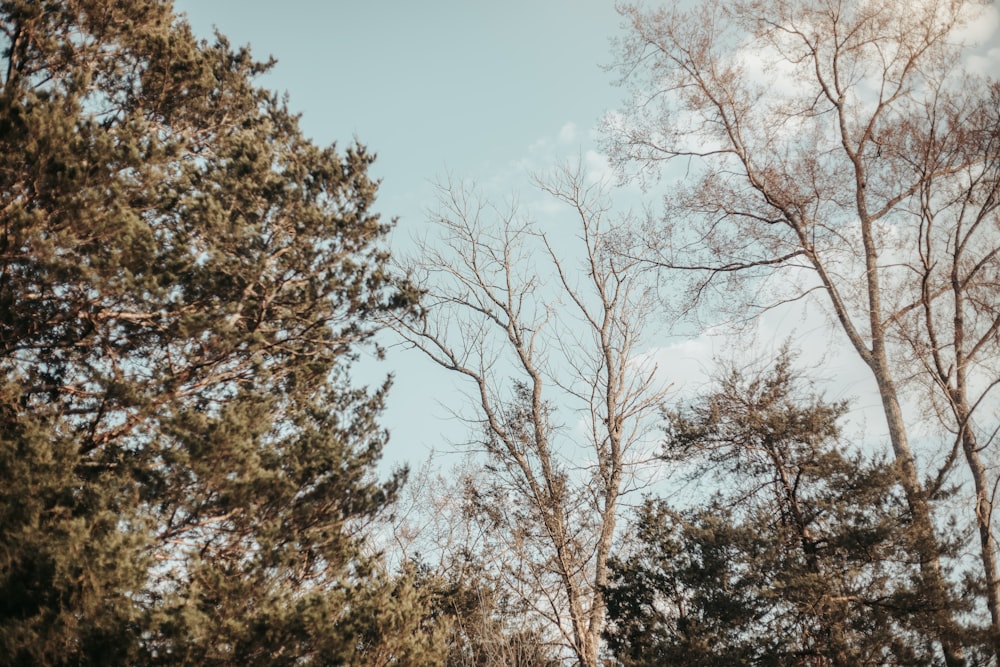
801, 560
184, 279
72, 551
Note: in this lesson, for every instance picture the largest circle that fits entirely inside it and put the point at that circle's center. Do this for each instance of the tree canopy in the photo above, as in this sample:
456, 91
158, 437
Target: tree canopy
800, 558
844, 153
184, 280
190, 468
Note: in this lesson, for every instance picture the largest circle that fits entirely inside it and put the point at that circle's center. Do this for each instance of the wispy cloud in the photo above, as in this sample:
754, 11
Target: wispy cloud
984, 65
568, 133
981, 23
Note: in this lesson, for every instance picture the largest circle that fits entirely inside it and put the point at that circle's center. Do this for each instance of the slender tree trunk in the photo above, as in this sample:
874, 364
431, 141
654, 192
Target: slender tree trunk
984, 511
604, 544
970, 447
922, 529
923, 525
875, 358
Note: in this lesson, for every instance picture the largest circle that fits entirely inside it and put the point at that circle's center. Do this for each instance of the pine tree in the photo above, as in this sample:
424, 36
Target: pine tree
184, 280
801, 557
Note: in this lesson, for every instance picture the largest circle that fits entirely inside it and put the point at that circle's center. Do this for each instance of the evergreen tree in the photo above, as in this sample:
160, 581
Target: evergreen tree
802, 559
184, 279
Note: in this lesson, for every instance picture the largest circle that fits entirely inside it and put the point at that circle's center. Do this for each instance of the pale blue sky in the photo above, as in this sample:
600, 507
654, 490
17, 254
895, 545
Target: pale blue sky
462, 85
481, 90
477, 89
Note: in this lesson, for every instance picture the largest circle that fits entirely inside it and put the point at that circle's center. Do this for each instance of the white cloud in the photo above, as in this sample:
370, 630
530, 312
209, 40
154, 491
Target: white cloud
984, 65
684, 366
980, 33
568, 133
597, 167
824, 356
981, 23
768, 67
566, 145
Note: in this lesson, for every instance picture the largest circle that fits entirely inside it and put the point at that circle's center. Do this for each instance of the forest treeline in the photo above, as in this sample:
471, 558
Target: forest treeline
189, 469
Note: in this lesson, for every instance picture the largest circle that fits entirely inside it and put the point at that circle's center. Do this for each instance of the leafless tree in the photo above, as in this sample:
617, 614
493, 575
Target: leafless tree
948, 318
830, 140
435, 529
539, 337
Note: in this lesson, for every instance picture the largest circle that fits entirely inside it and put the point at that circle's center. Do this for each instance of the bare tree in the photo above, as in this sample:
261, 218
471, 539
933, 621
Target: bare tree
539, 338
950, 319
826, 136
435, 530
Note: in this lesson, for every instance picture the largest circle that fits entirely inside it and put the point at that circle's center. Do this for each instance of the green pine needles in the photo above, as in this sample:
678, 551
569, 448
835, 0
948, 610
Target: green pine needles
183, 280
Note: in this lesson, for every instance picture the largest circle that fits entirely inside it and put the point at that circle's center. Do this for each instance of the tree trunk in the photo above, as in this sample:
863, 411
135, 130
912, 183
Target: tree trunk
984, 513
923, 526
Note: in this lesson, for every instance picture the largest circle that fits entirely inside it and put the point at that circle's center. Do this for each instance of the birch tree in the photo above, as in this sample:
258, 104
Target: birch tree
539, 332
948, 320
828, 142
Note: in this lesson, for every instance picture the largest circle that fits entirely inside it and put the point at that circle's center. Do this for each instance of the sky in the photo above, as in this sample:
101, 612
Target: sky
477, 90
473, 89
430, 86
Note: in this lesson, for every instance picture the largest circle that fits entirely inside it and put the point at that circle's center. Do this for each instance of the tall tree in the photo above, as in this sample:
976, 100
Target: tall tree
184, 279
948, 323
829, 181
505, 310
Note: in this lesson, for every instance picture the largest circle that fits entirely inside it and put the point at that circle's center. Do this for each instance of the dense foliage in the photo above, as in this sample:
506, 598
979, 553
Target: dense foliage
801, 559
184, 278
